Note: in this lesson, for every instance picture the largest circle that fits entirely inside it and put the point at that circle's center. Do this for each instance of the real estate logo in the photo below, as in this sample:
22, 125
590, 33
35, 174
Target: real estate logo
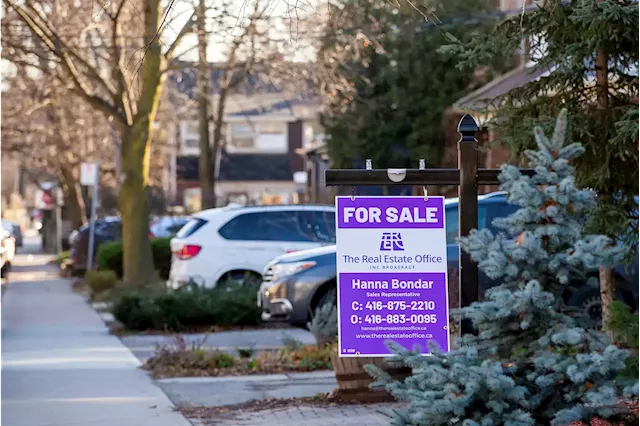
391, 241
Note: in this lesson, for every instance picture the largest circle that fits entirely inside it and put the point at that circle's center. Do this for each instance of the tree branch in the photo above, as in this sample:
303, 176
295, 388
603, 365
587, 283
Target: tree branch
186, 29
122, 96
55, 46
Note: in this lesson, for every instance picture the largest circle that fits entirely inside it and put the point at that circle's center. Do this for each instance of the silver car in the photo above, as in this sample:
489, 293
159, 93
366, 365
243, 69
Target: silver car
167, 226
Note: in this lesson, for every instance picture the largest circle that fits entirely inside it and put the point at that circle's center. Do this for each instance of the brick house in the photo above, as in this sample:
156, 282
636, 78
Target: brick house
263, 128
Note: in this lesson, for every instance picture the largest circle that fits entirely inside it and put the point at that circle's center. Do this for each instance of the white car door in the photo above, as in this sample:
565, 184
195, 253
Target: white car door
259, 236
252, 236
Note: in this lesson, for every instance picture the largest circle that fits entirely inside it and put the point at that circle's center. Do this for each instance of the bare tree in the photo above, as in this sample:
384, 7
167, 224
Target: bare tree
251, 41
46, 125
123, 80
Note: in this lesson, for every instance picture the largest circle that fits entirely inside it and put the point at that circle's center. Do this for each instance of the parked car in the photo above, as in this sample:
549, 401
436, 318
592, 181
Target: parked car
7, 252
167, 226
106, 230
294, 285
232, 241
14, 230
109, 229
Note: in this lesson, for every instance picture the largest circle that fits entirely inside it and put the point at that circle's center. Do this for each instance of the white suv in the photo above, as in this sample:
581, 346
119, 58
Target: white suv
229, 242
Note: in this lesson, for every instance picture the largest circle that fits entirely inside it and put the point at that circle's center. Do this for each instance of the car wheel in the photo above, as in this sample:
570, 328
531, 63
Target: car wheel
234, 278
321, 301
590, 303
4, 271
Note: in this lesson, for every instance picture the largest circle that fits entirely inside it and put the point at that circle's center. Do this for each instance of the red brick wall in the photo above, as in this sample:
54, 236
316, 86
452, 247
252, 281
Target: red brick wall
496, 156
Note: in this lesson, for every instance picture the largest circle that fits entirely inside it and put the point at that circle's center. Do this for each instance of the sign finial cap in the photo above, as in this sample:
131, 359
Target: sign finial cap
467, 124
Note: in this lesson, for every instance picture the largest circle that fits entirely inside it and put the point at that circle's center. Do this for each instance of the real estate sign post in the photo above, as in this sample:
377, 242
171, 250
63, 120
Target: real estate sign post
392, 274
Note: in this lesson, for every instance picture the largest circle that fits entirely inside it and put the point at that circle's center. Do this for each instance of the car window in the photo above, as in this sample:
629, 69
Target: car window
453, 221
174, 228
317, 226
263, 226
111, 230
241, 227
191, 227
284, 225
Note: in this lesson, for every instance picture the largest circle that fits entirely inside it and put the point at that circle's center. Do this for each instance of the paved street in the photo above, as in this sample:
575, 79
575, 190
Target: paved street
60, 366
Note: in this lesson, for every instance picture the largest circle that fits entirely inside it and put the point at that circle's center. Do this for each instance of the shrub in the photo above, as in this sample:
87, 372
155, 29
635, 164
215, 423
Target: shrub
100, 281
136, 311
110, 256
184, 360
313, 358
161, 250
188, 309
291, 344
324, 324
624, 325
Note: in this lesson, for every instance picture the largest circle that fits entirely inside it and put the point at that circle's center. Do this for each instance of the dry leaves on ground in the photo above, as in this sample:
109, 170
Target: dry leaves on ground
198, 362
270, 404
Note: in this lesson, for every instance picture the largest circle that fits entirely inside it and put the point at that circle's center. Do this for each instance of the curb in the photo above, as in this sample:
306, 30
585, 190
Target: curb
252, 378
210, 348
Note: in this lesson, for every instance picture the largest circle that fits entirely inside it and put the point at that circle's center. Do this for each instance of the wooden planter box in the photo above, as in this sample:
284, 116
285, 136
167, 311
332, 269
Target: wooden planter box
354, 381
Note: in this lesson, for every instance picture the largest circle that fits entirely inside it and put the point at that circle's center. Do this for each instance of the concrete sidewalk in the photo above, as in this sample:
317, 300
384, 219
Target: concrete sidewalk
61, 367
230, 390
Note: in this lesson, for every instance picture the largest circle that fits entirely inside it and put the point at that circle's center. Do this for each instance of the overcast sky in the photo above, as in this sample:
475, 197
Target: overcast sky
219, 40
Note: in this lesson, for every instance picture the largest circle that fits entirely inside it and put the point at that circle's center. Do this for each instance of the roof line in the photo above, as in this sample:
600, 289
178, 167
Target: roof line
490, 84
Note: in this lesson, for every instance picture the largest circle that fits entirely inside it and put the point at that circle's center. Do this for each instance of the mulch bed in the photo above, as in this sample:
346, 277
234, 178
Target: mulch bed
168, 362
628, 416
271, 404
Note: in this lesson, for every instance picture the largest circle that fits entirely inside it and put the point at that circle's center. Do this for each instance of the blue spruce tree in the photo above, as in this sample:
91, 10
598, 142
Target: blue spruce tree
533, 361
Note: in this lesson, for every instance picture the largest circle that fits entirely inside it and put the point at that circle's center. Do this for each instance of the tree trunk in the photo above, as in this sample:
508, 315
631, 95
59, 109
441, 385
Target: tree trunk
602, 79
205, 161
137, 258
218, 135
607, 294
607, 284
73, 200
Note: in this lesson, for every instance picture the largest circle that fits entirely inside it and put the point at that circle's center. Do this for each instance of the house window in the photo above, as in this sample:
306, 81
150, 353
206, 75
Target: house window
192, 128
191, 143
242, 135
272, 128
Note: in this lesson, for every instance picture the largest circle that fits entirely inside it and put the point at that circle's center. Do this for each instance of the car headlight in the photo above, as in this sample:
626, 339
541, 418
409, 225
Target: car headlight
282, 270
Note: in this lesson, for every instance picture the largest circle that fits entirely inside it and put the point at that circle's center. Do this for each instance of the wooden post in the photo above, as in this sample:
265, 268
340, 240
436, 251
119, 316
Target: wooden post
468, 205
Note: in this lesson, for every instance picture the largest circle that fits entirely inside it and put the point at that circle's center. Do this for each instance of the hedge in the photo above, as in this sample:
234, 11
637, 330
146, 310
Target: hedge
188, 309
110, 256
100, 281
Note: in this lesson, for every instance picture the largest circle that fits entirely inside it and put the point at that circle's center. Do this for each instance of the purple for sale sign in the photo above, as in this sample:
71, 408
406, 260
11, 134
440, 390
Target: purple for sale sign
392, 274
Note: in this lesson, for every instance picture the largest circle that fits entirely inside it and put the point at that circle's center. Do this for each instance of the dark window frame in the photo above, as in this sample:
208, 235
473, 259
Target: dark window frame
198, 224
287, 226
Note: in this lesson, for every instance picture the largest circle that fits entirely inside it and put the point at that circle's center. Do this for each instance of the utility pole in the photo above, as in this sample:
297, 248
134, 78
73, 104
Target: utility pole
205, 166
